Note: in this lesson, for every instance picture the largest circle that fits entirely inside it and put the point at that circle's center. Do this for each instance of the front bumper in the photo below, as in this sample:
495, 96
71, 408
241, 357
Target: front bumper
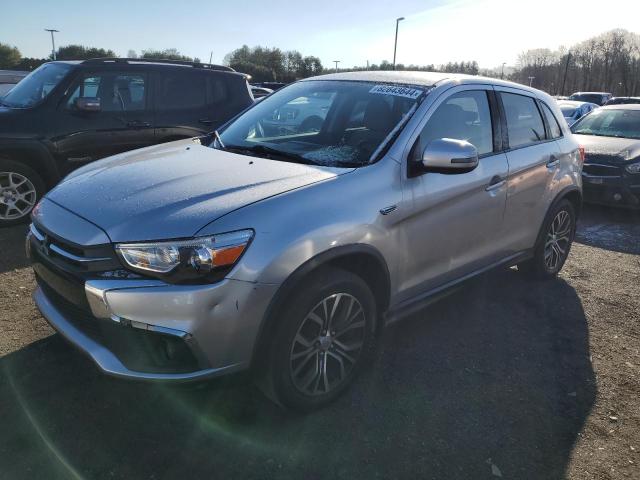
610, 185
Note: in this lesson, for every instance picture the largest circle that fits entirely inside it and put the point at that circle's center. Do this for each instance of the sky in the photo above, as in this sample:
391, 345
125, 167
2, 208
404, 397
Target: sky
433, 32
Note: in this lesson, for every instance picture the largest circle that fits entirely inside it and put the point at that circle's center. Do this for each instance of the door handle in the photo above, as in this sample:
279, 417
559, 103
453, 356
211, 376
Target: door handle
553, 161
205, 121
138, 124
496, 182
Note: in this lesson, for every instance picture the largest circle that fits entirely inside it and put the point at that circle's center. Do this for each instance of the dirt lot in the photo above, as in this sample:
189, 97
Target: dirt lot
505, 378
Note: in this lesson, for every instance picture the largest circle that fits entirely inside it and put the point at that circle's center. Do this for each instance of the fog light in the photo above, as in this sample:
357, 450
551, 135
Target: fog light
617, 197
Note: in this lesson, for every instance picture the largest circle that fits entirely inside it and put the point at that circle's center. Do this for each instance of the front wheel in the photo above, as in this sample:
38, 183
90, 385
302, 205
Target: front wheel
554, 243
20, 189
326, 337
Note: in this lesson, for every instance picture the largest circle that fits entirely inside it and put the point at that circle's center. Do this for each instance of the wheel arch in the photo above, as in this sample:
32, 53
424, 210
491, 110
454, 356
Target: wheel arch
359, 259
35, 156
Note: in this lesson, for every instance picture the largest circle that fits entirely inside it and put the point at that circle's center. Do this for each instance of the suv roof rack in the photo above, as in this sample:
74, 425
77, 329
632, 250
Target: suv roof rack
207, 66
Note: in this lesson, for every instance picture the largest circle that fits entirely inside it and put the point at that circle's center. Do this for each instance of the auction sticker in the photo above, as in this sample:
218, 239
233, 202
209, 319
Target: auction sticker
397, 91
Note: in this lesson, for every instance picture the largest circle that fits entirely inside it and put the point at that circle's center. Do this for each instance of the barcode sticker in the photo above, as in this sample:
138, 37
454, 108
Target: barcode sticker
397, 91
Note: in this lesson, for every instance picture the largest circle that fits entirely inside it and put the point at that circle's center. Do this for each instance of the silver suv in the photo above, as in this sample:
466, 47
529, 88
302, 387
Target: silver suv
288, 251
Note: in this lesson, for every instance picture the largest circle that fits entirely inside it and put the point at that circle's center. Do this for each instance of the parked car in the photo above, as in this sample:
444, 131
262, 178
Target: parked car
301, 115
573, 110
9, 79
611, 139
623, 101
259, 92
270, 85
66, 114
288, 253
599, 98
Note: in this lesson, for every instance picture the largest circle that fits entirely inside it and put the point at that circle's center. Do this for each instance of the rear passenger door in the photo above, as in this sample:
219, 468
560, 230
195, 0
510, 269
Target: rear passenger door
181, 104
533, 160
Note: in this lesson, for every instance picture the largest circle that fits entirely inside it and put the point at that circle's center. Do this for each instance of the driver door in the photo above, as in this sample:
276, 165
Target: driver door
453, 227
124, 121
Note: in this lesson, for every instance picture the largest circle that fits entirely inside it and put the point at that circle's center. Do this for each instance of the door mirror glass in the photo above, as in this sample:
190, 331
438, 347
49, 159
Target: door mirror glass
88, 104
447, 155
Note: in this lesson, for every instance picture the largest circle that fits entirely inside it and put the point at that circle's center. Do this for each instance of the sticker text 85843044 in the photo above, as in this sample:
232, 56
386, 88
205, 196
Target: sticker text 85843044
397, 90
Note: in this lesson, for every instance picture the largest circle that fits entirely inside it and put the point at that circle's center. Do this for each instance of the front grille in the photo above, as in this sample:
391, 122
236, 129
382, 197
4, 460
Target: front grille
73, 258
600, 170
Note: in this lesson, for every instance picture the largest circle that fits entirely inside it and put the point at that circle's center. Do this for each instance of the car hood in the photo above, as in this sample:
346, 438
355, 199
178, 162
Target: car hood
612, 148
173, 190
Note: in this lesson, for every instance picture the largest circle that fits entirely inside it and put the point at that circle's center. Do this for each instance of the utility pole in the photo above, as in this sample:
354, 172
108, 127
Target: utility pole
53, 43
395, 44
502, 73
566, 67
531, 81
336, 62
210, 57
367, 64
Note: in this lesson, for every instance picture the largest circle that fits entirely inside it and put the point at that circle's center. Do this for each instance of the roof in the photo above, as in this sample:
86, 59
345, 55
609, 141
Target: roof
590, 93
424, 79
622, 106
574, 103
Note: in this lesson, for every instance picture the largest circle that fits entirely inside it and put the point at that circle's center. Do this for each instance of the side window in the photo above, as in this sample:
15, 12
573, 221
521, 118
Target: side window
217, 91
463, 116
88, 87
524, 123
117, 92
554, 126
181, 91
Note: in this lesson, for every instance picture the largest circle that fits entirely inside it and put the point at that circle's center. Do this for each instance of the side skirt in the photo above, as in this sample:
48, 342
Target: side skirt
422, 300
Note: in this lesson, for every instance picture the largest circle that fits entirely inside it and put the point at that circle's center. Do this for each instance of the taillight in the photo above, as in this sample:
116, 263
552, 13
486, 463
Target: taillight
581, 150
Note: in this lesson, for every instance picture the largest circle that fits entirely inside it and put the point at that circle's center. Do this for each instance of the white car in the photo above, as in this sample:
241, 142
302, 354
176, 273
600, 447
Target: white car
574, 111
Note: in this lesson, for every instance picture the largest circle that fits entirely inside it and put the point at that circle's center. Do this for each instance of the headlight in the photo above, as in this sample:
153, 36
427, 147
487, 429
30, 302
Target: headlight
187, 261
633, 168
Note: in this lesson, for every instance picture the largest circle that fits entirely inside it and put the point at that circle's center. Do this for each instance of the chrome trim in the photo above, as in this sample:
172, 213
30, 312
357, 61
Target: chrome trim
600, 176
36, 233
63, 253
107, 361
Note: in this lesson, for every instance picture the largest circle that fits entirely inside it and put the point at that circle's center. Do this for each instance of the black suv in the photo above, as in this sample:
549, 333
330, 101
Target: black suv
66, 114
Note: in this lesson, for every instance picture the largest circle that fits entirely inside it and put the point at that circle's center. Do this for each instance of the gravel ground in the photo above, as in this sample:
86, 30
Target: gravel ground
503, 379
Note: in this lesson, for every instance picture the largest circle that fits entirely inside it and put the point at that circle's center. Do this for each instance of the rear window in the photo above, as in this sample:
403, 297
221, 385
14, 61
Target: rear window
524, 123
587, 97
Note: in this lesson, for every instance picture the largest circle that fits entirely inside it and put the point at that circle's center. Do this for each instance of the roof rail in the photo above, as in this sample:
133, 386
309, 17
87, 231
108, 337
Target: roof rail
207, 66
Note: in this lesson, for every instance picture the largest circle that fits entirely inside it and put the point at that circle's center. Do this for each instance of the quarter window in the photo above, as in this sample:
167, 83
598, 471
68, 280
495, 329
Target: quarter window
554, 127
463, 116
524, 123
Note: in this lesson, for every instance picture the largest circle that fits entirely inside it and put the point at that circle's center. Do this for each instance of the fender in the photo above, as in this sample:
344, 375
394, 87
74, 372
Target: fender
311, 265
33, 153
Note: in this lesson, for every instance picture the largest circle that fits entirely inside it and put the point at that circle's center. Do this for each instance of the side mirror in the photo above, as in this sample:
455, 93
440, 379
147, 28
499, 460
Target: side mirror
88, 104
447, 155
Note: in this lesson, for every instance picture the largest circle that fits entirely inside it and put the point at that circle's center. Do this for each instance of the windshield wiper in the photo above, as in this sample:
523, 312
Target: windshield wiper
270, 152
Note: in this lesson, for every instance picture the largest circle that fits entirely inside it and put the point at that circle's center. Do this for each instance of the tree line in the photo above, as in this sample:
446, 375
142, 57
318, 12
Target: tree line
609, 62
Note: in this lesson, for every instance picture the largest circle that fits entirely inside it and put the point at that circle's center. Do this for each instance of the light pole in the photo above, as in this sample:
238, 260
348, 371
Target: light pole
395, 44
210, 57
531, 81
53, 43
336, 62
502, 72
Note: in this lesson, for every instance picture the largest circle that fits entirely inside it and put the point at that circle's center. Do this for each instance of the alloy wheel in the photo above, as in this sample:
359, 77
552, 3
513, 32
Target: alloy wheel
17, 195
558, 240
328, 344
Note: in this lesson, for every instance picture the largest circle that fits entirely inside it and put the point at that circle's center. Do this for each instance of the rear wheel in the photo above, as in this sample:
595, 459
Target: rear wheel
20, 189
554, 242
325, 339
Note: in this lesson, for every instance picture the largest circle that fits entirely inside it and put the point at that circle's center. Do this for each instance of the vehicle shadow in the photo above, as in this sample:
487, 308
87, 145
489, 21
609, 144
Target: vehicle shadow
609, 228
12, 254
493, 380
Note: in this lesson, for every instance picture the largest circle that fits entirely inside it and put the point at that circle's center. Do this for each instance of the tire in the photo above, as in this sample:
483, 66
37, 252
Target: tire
551, 252
301, 355
20, 189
